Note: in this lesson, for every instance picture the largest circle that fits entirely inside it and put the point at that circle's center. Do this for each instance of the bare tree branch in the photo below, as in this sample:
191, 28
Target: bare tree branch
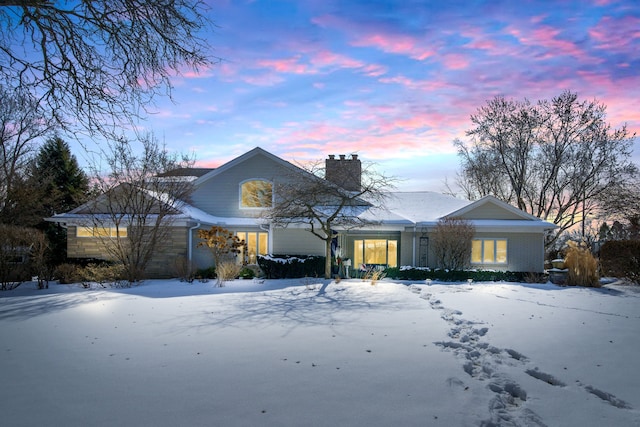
553, 159
99, 64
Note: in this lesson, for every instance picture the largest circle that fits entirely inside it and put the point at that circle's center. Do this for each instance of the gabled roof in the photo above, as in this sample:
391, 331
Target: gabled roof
491, 200
246, 156
422, 206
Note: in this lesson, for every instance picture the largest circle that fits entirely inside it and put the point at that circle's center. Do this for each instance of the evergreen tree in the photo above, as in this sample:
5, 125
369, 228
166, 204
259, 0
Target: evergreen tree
63, 185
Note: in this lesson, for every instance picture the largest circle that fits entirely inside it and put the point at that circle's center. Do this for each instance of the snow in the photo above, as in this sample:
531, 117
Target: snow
310, 352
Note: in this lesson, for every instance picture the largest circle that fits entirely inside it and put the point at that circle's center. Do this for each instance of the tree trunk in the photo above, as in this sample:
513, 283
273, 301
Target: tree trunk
327, 262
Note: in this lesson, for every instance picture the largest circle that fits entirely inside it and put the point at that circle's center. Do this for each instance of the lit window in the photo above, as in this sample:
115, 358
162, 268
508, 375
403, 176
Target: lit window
375, 251
257, 244
101, 231
489, 251
256, 194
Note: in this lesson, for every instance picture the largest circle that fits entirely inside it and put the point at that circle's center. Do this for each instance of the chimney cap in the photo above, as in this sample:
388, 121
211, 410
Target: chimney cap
332, 156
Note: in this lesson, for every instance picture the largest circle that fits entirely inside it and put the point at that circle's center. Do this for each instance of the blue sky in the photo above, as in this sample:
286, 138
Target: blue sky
394, 81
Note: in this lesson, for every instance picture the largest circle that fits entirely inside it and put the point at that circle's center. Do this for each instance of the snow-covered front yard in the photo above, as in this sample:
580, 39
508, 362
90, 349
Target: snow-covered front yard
295, 353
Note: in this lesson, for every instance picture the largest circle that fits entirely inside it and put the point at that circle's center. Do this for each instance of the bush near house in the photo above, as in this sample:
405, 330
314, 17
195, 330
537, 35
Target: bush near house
416, 273
291, 266
621, 258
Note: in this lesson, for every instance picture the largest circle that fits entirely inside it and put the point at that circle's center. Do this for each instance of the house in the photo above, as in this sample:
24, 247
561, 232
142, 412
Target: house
235, 194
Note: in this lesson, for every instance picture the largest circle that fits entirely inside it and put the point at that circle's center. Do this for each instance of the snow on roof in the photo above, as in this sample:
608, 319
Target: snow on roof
422, 206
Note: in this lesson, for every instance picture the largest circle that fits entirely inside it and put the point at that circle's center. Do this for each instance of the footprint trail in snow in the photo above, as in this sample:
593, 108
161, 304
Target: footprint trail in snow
482, 362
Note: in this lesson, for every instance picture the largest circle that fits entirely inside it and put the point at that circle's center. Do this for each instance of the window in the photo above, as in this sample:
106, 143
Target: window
257, 244
489, 251
101, 232
375, 251
256, 194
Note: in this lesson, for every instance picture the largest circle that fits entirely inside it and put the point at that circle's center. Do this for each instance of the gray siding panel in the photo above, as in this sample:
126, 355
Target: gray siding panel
220, 195
291, 241
525, 252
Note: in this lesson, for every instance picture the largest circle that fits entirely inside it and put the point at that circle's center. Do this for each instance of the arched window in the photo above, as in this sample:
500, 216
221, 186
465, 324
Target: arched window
256, 193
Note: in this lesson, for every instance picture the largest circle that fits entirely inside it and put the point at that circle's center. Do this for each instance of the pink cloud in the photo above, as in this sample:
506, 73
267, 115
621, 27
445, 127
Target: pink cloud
290, 65
549, 39
455, 61
616, 34
423, 85
397, 44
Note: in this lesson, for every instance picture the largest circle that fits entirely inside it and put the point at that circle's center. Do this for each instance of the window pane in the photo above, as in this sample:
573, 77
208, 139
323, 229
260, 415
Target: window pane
263, 243
252, 247
357, 253
488, 254
256, 194
476, 251
392, 257
375, 252
84, 232
501, 251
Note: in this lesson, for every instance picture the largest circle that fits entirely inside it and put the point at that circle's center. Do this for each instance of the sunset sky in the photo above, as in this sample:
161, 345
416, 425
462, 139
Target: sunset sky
393, 81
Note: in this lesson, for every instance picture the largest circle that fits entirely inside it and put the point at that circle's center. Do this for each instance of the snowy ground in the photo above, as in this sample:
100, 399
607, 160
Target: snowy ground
289, 353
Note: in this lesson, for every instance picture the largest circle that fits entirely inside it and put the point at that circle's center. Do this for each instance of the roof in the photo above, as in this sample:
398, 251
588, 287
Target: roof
195, 172
423, 206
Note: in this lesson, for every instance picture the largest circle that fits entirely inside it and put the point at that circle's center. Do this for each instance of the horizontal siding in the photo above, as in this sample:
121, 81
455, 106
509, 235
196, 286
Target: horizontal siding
490, 211
172, 248
220, 195
525, 252
291, 241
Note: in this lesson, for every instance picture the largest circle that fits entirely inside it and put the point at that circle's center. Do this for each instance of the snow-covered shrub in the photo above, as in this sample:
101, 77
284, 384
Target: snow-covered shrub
291, 266
582, 266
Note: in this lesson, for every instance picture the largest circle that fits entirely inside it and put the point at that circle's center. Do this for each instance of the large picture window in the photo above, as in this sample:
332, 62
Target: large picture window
101, 232
257, 244
256, 193
375, 252
489, 251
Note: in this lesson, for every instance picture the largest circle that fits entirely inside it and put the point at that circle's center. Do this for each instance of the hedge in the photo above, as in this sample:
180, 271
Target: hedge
291, 266
412, 273
621, 258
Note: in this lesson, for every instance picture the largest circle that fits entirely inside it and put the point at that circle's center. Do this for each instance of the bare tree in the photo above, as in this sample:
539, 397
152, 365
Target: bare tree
552, 159
137, 205
99, 62
21, 254
325, 207
22, 125
451, 243
622, 203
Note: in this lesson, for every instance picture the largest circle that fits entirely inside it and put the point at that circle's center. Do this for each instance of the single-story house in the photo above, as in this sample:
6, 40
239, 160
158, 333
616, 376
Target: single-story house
233, 196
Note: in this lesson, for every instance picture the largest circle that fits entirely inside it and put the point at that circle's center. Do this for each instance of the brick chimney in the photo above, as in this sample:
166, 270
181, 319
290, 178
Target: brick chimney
345, 172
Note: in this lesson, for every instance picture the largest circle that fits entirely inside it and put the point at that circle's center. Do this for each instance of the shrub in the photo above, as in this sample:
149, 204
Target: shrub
227, 270
373, 275
103, 274
291, 266
582, 266
184, 269
451, 241
247, 273
423, 273
67, 273
621, 258
206, 273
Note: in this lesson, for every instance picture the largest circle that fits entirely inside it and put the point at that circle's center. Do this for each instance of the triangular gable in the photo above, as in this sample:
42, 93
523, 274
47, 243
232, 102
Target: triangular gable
243, 158
490, 207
